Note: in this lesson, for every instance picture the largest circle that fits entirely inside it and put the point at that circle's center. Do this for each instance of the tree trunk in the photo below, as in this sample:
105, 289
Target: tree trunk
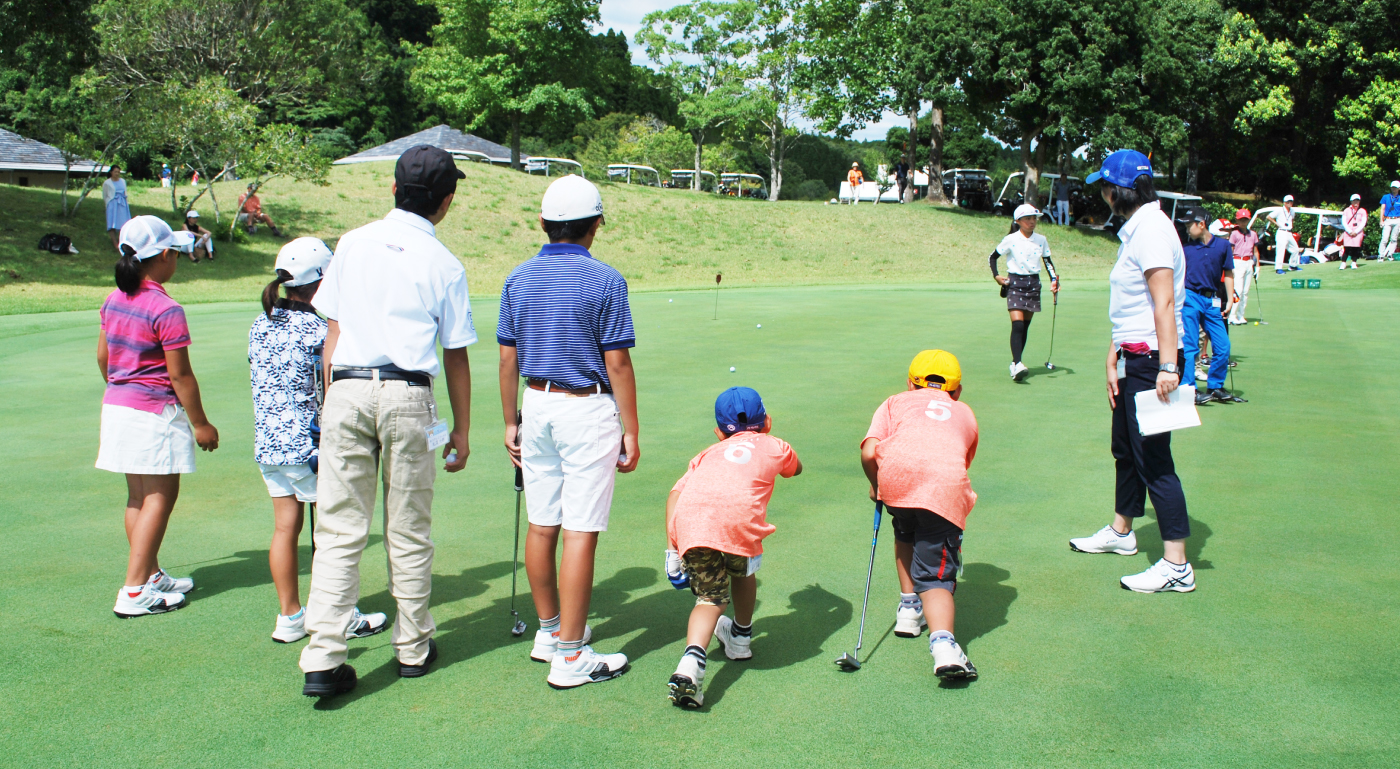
1193, 164
699, 153
907, 195
1030, 162
935, 156
775, 159
515, 141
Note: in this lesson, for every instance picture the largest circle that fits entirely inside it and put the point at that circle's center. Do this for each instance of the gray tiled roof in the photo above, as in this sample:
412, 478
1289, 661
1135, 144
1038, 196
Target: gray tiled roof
22, 154
443, 136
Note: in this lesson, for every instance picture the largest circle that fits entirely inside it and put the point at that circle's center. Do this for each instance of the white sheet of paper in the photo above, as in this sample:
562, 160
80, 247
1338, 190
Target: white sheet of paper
1154, 416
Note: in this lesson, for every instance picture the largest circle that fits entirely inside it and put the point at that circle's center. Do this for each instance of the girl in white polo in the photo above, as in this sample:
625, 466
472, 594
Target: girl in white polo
1026, 251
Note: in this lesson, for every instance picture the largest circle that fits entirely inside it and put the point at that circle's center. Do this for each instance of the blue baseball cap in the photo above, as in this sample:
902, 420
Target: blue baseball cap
738, 409
1122, 168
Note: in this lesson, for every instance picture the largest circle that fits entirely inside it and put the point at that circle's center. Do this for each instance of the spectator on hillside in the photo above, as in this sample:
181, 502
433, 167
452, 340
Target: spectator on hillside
855, 178
1390, 222
203, 239
251, 213
165, 175
1061, 193
901, 178
114, 198
1353, 232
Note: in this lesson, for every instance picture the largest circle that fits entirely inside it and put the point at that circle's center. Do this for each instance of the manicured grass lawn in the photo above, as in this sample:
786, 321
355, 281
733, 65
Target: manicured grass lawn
1284, 656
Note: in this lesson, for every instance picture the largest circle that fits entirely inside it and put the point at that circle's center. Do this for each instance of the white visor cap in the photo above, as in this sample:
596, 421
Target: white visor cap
305, 259
571, 197
1288, 198
1025, 209
147, 236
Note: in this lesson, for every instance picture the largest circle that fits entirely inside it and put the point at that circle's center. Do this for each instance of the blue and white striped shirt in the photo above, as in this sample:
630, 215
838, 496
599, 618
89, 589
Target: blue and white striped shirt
561, 310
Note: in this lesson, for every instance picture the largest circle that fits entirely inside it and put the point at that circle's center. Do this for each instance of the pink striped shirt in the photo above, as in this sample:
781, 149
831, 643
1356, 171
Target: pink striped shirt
139, 330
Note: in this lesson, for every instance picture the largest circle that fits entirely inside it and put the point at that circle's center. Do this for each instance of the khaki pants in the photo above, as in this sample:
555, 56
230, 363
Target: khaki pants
364, 421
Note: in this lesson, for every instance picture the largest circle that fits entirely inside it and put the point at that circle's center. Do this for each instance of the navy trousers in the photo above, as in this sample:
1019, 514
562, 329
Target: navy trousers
1144, 463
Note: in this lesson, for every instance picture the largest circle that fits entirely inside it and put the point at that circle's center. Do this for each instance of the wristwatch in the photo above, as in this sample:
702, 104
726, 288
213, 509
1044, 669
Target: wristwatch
1169, 368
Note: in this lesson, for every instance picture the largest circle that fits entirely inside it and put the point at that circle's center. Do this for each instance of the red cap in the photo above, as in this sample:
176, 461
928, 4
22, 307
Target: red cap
1243, 213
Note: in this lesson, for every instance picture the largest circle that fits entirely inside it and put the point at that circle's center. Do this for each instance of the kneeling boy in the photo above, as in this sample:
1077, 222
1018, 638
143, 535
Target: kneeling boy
716, 519
916, 455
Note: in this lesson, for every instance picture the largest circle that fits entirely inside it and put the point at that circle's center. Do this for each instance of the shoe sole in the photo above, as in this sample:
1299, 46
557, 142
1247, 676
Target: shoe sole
1163, 590
330, 690
956, 673
684, 693
590, 680
381, 629
907, 634
166, 610
290, 641
1103, 552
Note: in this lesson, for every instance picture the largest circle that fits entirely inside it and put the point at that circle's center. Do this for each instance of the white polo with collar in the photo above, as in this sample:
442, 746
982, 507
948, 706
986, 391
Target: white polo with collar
396, 291
1149, 241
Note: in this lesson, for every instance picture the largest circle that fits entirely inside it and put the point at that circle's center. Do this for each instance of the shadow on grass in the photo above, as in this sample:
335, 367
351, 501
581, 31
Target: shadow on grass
661, 615
1040, 370
1150, 541
245, 568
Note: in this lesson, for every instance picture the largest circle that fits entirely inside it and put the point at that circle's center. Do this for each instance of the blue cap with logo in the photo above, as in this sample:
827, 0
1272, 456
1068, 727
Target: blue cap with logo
1122, 168
738, 409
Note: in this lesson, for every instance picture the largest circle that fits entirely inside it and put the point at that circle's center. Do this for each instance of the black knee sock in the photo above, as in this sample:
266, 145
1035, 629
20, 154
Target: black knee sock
1018, 339
742, 631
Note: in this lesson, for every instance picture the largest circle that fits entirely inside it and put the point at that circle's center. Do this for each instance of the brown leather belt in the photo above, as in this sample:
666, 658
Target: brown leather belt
554, 387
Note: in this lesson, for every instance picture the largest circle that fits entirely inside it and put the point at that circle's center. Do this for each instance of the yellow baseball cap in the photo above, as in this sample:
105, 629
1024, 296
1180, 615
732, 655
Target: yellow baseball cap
940, 363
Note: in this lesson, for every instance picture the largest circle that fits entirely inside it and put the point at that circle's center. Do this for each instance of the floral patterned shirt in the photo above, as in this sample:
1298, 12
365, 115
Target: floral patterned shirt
280, 352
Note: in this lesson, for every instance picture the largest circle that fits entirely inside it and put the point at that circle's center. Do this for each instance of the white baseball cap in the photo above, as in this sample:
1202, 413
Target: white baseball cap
146, 235
191, 214
305, 259
1395, 184
1355, 196
1288, 198
1025, 209
182, 241
571, 197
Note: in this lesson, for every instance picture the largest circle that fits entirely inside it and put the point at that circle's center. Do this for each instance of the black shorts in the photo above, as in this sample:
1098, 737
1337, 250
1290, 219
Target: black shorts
937, 547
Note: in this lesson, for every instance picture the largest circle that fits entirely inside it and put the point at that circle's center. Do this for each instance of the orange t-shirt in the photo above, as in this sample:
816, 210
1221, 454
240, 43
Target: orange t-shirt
927, 442
855, 178
723, 503
249, 204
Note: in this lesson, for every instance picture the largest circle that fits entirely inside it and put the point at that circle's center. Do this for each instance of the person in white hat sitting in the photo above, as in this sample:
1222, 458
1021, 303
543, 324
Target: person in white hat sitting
203, 239
1285, 245
1390, 222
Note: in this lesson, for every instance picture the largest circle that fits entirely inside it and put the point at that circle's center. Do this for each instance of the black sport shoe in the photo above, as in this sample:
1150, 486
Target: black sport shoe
1203, 397
419, 670
329, 683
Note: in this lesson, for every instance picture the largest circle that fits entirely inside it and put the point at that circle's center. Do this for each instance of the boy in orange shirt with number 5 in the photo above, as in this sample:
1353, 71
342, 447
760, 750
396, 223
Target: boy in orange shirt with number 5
916, 455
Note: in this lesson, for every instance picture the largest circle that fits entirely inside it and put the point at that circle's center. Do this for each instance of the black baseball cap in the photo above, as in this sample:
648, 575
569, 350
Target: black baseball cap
1198, 214
426, 171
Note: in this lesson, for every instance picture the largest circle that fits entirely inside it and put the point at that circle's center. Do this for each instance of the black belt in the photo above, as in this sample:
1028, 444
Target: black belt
414, 378
535, 383
1207, 294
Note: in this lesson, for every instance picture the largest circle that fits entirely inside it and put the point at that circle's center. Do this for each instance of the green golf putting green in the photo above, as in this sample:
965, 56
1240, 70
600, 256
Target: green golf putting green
1284, 655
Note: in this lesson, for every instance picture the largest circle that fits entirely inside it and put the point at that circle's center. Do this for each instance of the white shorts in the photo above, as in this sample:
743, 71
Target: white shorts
141, 443
290, 481
569, 448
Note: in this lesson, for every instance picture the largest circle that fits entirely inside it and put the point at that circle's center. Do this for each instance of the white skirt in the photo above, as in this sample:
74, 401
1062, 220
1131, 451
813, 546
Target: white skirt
141, 443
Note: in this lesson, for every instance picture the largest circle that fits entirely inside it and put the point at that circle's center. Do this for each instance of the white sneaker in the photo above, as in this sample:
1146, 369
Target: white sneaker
288, 629
1343, 267
366, 625
1019, 371
147, 601
950, 663
167, 584
1353, 265
1162, 577
735, 647
585, 667
686, 683
546, 642
909, 622
1106, 540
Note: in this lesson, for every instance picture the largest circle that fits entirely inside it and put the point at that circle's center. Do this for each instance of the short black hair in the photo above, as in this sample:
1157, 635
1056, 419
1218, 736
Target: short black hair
1125, 200
420, 202
574, 229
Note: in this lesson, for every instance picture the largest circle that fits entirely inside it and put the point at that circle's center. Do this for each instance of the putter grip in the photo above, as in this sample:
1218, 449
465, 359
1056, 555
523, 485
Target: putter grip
519, 471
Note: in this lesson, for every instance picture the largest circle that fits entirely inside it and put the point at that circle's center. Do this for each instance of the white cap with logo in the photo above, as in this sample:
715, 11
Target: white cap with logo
305, 259
146, 235
182, 241
1288, 198
1025, 209
571, 197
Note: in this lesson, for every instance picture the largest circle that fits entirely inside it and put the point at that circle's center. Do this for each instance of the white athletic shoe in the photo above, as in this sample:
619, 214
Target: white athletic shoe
909, 622
289, 630
1019, 371
1353, 265
1106, 540
686, 683
735, 647
546, 642
366, 625
147, 601
1161, 577
585, 667
1343, 267
167, 584
949, 661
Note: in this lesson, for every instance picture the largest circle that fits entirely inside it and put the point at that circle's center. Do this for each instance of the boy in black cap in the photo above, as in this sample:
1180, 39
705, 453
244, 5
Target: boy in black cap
1208, 258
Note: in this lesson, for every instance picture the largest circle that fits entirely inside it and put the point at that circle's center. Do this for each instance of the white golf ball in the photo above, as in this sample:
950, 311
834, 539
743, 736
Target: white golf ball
731, 369
668, 301
451, 457
760, 325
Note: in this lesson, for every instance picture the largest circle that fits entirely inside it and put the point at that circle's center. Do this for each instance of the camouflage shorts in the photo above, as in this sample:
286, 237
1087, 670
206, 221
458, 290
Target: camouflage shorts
710, 572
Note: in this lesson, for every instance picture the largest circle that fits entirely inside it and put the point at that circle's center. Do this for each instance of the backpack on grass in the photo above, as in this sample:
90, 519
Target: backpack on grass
57, 244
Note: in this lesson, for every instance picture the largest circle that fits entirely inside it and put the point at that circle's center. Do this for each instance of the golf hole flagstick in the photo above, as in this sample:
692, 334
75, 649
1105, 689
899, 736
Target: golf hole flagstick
718, 277
851, 661
517, 629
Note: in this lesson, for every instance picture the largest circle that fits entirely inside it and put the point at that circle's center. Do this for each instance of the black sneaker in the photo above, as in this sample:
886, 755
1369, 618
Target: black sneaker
1221, 395
1203, 397
421, 669
329, 683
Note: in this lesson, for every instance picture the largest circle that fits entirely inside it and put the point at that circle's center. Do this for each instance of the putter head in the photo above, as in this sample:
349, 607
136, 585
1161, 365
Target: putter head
848, 662
519, 628
1049, 366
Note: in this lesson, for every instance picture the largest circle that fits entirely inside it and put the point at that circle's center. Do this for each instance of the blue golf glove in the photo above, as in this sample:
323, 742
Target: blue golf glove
675, 571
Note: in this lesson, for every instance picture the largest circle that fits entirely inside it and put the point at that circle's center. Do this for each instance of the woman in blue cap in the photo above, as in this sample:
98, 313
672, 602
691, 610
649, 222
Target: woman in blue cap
1146, 292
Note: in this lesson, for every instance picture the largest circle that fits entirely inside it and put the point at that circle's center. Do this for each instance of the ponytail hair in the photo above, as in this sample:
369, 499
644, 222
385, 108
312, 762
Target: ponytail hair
1015, 225
272, 294
129, 271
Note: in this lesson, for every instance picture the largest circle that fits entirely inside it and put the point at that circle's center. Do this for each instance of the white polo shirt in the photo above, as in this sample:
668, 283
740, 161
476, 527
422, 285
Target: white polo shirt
1024, 255
1149, 241
1283, 218
396, 291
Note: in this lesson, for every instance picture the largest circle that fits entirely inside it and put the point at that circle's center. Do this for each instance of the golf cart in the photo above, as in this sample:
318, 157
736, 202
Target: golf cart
543, 165
1315, 244
627, 173
969, 187
1077, 202
1176, 205
681, 179
470, 156
734, 184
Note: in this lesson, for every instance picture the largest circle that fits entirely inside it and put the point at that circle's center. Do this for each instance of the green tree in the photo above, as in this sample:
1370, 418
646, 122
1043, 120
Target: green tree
510, 58
1372, 120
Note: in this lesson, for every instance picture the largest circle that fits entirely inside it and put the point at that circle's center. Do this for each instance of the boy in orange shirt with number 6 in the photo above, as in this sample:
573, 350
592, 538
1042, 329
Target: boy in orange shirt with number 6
916, 455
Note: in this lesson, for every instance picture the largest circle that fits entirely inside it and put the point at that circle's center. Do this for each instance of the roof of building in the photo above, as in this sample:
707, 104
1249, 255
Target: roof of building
18, 153
442, 136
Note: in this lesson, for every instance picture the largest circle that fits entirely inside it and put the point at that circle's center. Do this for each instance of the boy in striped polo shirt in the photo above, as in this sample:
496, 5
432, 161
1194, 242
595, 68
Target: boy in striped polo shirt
566, 327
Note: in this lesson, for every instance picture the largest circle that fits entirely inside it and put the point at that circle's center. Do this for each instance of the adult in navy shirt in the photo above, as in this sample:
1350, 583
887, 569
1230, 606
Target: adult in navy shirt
1208, 262
1390, 222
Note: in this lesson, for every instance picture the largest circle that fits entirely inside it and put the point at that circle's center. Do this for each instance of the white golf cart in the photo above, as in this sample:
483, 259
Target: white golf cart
681, 179
546, 165
1004, 205
626, 173
1313, 247
470, 156
734, 184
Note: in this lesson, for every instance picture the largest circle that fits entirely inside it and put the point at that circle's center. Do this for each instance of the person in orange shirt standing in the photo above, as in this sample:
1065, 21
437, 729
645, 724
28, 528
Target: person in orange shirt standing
716, 519
916, 455
855, 178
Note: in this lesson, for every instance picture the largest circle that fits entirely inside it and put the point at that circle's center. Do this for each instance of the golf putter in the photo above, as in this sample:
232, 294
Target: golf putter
1054, 311
851, 661
517, 629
